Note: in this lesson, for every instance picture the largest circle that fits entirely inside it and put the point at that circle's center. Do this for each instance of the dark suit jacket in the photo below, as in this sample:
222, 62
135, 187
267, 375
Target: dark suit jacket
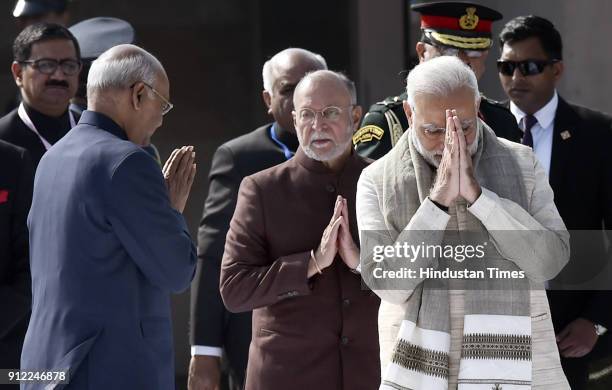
102, 284
318, 333
13, 130
16, 177
211, 324
581, 177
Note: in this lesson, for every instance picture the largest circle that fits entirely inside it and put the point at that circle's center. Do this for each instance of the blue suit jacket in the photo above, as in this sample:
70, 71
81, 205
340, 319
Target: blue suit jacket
107, 249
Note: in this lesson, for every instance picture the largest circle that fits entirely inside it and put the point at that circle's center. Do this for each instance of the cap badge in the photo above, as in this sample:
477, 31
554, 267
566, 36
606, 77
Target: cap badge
470, 20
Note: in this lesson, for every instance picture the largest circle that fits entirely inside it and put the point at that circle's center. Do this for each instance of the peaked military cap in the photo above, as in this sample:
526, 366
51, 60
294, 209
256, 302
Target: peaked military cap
461, 25
26, 8
97, 35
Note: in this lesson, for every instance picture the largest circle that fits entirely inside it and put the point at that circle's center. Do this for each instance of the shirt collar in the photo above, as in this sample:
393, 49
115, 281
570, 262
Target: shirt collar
545, 115
103, 122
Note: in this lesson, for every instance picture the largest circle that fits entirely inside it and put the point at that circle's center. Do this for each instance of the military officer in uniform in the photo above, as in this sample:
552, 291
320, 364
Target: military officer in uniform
447, 28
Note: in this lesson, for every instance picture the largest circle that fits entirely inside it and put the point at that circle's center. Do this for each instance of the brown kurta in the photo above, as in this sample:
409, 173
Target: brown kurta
313, 334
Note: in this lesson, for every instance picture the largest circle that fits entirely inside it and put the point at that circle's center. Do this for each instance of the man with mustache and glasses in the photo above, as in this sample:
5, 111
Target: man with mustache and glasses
46, 66
448, 28
291, 254
572, 145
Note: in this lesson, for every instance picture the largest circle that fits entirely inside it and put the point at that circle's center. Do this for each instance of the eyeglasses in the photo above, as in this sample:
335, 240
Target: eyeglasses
527, 67
452, 51
307, 116
167, 105
49, 66
432, 132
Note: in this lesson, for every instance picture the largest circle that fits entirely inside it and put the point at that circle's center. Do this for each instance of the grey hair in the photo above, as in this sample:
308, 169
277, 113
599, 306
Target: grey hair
121, 67
440, 76
268, 67
348, 83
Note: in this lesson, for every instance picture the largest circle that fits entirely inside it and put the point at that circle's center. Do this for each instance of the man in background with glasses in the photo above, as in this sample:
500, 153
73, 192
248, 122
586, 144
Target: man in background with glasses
447, 28
572, 144
46, 66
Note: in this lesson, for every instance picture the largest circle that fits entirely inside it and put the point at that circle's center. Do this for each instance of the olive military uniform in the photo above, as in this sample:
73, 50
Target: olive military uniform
386, 121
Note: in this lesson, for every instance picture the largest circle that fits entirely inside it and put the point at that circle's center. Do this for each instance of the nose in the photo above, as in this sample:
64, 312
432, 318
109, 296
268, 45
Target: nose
58, 74
318, 121
517, 74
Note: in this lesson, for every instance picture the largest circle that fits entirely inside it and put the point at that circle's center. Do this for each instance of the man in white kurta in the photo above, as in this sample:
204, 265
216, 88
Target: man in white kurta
445, 139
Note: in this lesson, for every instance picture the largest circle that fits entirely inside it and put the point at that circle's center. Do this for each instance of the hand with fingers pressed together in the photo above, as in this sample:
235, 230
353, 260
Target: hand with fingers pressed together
455, 177
179, 172
336, 239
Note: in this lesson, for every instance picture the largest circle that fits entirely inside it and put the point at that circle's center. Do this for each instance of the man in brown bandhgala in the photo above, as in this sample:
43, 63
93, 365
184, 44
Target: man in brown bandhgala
291, 254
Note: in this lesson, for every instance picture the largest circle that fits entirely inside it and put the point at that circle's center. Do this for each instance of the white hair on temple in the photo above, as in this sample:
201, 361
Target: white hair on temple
268, 67
440, 76
121, 67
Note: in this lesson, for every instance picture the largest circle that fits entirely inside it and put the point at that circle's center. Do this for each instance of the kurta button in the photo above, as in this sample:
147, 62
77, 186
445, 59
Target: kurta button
346, 302
330, 188
345, 340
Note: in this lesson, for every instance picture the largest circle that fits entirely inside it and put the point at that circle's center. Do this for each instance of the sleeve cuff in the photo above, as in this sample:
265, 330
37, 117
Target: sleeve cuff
206, 350
484, 205
295, 276
428, 217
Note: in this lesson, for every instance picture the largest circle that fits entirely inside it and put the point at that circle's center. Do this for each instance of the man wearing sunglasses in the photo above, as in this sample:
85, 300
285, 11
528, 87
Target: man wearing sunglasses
572, 144
447, 28
46, 67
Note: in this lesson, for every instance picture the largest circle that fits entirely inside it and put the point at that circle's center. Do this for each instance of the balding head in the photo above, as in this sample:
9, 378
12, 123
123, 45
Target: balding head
280, 76
292, 58
129, 85
328, 79
122, 66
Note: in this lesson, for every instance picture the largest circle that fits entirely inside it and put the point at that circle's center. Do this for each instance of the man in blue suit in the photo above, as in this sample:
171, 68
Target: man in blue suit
108, 241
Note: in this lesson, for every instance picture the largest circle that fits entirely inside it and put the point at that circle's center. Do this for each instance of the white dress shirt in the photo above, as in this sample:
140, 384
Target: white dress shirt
542, 132
206, 350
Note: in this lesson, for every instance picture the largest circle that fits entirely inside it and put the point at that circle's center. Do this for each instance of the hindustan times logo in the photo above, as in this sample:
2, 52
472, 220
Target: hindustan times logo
422, 250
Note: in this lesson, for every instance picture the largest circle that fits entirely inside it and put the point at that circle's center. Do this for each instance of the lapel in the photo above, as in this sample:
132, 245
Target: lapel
566, 123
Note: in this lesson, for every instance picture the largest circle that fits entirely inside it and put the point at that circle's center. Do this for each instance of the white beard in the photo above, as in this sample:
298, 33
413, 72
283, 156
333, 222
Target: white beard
336, 151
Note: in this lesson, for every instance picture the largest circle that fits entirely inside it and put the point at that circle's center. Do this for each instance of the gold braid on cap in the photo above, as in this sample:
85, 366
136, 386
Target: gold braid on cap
481, 43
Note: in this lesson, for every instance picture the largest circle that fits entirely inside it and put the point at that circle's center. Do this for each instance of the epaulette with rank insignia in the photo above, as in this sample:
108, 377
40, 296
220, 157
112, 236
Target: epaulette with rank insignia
382, 117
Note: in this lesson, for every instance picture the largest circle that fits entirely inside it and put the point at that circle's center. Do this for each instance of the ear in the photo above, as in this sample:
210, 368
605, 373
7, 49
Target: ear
267, 98
293, 115
356, 115
138, 92
558, 69
408, 111
478, 104
17, 71
420, 50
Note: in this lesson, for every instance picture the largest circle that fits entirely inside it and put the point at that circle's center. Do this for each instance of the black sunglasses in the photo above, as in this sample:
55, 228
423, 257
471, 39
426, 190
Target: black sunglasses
527, 68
